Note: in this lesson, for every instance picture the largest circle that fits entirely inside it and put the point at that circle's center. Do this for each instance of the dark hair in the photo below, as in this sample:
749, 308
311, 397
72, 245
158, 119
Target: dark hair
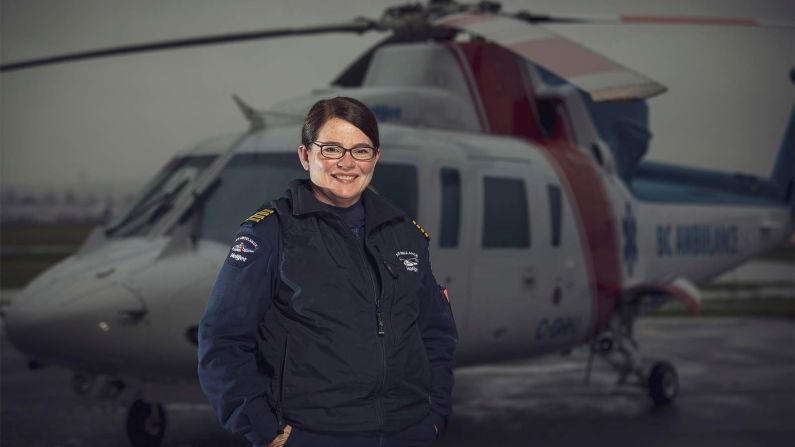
348, 109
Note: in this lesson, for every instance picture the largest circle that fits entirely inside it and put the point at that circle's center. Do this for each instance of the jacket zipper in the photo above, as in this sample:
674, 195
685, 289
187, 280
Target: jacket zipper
379, 315
380, 327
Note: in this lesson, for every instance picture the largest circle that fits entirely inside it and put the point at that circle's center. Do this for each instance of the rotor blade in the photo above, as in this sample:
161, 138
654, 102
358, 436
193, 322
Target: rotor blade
602, 78
649, 19
359, 25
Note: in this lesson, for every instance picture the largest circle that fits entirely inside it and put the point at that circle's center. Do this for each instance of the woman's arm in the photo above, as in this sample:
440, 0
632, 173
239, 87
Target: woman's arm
227, 352
441, 339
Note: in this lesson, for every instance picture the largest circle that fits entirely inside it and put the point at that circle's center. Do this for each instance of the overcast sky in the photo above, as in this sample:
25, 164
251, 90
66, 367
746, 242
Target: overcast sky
118, 120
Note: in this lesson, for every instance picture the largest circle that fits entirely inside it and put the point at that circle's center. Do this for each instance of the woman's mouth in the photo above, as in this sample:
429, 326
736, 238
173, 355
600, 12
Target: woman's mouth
344, 178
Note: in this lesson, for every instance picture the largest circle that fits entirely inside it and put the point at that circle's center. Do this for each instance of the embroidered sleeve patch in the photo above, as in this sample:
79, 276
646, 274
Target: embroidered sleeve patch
243, 250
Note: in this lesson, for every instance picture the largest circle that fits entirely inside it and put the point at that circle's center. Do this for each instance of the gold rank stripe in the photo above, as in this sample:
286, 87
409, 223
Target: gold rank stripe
422, 230
261, 214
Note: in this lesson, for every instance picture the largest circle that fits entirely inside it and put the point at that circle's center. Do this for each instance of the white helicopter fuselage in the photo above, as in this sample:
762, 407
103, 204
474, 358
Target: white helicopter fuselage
130, 306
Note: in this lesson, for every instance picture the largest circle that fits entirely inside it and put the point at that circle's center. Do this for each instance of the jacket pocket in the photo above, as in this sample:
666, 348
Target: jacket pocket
426, 364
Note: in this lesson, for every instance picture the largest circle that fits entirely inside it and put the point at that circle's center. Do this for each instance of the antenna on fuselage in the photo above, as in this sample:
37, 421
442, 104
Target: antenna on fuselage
256, 118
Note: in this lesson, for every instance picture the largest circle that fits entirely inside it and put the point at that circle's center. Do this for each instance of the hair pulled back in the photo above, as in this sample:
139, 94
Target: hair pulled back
342, 107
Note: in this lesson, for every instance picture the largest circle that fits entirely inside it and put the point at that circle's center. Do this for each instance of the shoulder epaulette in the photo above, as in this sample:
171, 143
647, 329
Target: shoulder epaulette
259, 215
422, 230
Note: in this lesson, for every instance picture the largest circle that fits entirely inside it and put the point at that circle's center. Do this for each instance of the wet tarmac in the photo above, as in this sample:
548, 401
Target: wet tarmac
737, 388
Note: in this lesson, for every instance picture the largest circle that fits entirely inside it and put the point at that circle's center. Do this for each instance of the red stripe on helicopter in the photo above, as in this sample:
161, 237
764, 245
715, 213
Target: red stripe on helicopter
684, 20
563, 57
689, 300
506, 92
498, 76
474, 96
584, 184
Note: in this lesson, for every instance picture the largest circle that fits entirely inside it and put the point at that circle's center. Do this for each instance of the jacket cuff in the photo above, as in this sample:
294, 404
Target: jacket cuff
439, 421
264, 432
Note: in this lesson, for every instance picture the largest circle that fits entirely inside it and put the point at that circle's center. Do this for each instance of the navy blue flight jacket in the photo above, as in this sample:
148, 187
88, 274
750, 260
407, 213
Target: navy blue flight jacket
308, 326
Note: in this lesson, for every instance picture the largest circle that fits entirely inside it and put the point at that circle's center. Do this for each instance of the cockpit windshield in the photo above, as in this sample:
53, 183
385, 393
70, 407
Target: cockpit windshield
247, 181
250, 180
156, 198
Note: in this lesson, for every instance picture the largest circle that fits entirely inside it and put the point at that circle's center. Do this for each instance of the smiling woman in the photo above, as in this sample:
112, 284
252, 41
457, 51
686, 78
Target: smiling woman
326, 325
339, 175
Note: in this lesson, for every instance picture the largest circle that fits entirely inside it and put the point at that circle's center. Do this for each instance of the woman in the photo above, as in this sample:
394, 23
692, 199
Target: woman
326, 326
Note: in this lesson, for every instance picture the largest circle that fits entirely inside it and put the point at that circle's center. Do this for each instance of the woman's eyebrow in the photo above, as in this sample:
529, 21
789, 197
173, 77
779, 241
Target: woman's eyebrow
330, 143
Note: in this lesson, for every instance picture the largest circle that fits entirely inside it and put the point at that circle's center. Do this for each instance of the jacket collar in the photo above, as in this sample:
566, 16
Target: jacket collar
377, 210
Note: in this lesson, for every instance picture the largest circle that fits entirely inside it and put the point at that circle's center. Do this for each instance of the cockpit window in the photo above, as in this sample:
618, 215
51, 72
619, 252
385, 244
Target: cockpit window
398, 183
247, 181
250, 180
157, 196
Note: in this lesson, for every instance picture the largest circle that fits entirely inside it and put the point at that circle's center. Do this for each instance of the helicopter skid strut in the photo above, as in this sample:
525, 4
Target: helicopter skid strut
618, 348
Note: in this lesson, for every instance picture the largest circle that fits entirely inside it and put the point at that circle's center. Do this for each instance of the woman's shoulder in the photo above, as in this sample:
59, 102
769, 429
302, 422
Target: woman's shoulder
266, 214
259, 216
257, 235
263, 223
420, 229
410, 229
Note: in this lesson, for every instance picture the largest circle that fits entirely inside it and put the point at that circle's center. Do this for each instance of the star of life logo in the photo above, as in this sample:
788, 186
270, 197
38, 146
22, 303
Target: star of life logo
242, 247
409, 260
629, 227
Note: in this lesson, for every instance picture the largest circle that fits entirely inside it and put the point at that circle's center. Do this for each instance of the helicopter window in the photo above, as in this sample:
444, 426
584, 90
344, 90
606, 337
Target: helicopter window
137, 218
398, 183
247, 181
505, 217
555, 222
451, 207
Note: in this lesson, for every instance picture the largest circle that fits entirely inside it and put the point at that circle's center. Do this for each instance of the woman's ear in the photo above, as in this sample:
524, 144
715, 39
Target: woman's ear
303, 156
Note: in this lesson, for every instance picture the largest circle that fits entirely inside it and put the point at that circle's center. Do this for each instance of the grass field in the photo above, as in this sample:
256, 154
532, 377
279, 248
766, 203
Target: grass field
719, 307
19, 265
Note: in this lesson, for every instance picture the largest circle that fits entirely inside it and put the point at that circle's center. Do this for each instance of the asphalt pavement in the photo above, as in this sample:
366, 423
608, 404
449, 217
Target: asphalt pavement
737, 379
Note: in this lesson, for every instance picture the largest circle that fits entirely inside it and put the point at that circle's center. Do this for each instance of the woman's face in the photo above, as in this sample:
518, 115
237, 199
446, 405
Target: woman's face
338, 182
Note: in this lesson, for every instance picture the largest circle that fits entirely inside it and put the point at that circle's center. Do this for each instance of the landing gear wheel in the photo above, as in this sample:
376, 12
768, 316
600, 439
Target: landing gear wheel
663, 384
146, 424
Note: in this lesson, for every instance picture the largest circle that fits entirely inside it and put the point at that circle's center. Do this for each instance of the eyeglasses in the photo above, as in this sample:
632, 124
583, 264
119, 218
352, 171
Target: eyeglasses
333, 151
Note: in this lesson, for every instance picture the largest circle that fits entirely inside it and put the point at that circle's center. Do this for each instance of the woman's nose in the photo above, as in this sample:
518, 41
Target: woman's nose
346, 161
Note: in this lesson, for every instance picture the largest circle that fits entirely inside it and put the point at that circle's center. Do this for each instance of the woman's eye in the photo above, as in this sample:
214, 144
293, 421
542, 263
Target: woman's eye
333, 150
362, 151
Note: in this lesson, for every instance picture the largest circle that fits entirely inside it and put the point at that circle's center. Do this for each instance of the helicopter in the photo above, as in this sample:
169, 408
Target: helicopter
519, 151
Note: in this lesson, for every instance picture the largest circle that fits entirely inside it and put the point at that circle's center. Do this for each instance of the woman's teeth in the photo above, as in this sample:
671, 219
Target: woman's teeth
344, 177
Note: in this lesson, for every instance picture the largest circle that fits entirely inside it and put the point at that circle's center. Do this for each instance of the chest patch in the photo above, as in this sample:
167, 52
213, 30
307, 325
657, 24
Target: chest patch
243, 249
409, 259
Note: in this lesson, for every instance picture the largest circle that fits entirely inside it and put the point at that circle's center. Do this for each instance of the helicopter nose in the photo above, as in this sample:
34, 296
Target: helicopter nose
66, 324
